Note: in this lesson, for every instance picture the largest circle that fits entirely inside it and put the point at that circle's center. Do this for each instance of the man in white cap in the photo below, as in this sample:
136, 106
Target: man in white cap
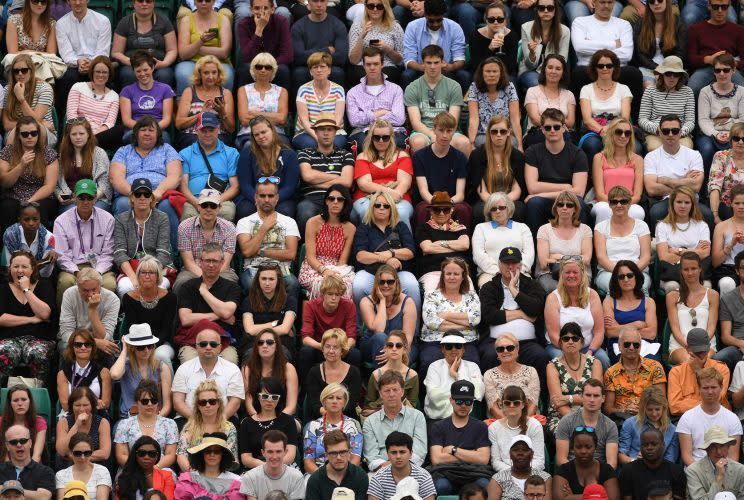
444, 372
715, 472
207, 227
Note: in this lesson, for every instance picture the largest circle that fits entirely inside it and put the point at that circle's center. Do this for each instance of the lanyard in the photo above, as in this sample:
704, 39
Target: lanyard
77, 379
80, 234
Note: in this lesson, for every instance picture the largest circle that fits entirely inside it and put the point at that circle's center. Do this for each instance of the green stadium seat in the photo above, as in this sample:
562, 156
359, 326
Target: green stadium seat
42, 401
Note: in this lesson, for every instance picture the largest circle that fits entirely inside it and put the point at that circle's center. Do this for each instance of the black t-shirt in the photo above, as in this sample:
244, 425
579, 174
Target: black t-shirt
441, 173
249, 438
636, 476
225, 290
10, 305
557, 169
472, 436
161, 318
260, 317
568, 471
478, 164
34, 476
433, 262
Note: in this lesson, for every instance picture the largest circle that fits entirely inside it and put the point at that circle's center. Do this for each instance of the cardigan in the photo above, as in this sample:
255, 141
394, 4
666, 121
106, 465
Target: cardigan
156, 237
646, 60
100, 176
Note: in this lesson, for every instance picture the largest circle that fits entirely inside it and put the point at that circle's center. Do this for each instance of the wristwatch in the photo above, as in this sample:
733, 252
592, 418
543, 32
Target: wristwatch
26, 290
454, 451
392, 253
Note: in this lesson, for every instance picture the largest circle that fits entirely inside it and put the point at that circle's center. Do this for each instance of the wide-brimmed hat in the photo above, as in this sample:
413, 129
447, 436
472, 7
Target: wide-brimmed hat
441, 199
208, 442
671, 64
140, 335
716, 435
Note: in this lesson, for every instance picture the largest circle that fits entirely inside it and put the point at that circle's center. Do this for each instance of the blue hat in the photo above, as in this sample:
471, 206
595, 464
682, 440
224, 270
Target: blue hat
207, 119
140, 184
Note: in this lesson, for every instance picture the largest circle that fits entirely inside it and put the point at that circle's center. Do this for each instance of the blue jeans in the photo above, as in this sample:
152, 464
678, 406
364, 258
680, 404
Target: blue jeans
103, 205
121, 204
574, 9
730, 355
697, 10
364, 281
372, 344
242, 9
538, 210
185, 69
309, 206
290, 281
445, 487
306, 141
405, 211
528, 79
704, 76
707, 146
164, 75
601, 355
467, 16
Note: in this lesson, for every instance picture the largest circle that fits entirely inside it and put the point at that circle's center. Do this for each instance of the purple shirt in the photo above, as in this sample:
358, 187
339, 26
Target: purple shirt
361, 105
147, 102
276, 40
78, 241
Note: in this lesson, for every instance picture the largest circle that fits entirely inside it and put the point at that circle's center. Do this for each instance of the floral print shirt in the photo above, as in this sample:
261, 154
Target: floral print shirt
184, 442
569, 385
628, 390
312, 443
435, 302
165, 432
488, 108
724, 175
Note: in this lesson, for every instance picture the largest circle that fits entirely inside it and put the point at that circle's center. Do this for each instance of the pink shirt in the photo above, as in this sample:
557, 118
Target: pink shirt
618, 176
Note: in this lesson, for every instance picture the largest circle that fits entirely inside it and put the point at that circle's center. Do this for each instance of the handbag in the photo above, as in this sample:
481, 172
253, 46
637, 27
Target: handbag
213, 182
391, 242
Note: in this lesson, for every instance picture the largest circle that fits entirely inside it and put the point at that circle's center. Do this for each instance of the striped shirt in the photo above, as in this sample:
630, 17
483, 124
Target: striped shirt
315, 107
332, 163
43, 95
81, 101
657, 103
382, 484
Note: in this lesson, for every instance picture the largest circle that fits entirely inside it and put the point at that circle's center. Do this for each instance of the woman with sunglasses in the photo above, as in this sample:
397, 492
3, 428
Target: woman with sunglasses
617, 165
328, 240
564, 235
382, 167
719, 107
682, 230
268, 416
266, 360
514, 421
20, 409
376, 24
550, 90
726, 171
694, 305
140, 474
574, 301
25, 95
27, 335
627, 307
602, 101
495, 39
728, 242
500, 231
544, 37
32, 30
621, 237
386, 309
146, 422
95, 478
209, 92
396, 351
491, 94
83, 417
30, 235
262, 98
653, 412
97, 103
333, 399
496, 167
658, 34
81, 158
510, 372
136, 363
145, 29
210, 476
79, 368
267, 160
571, 478
28, 172
567, 373
669, 94
208, 417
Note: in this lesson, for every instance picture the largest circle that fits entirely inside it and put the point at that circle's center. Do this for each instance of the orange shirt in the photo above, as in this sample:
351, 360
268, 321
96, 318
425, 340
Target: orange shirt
627, 391
683, 392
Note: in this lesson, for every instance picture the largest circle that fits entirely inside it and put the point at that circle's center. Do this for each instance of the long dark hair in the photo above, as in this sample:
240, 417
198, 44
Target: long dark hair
253, 363
684, 291
553, 41
346, 211
615, 290
197, 459
67, 150
132, 478
480, 83
513, 393
257, 299
647, 36
9, 416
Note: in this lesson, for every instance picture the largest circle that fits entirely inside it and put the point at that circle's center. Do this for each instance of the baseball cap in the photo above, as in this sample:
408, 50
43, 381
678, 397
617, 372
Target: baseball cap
510, 254
342, 493
698, 340
595, 492
462, 389
85, 186
521, 438
207, 119
142, 184
209, 196
75, 488
11, 485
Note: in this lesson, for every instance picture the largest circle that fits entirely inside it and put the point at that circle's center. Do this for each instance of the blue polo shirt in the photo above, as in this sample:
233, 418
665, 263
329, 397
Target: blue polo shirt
223, 160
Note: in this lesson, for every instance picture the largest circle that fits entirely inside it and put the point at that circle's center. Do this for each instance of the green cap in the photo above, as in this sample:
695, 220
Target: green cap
85, 186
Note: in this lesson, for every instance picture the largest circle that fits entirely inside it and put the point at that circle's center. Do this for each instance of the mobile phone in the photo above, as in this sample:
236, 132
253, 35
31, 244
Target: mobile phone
65, 196
213, 30
219, 100
374, 42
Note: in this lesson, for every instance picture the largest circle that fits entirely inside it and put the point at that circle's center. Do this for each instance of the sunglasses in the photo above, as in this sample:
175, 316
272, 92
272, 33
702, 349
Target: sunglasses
85, 197
623, 201
565, 204
571, 338
555, 128
605, 66
668, 73
145, 347
620, 132
397, 345
626, 276
145, 1
211, 343
387, 282
373, 6
584, 428
693, 313
382, 205
495, 19
635, 345
39, 2
215, 450
499, 131
507, 348
142, 194
149, 401
148, 453
210, 402
670, 131
333, 199
380, 138
449, 347
464, 402
20, 71
16, 442
271, 179
719, 6
81, 345
722, 70
498, 208
653, 2
210, 205
441, 210
29, 133
263, 67
737, 138
432, 101
549, 8
268, 397
511, 403
266, 342
82, 453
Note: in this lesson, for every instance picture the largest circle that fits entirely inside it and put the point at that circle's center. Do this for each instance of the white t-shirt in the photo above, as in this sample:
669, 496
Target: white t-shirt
623, 247
99, 477
737, 382
697, 231
276, 237
612, 105
256, 483
660, 163
695, 421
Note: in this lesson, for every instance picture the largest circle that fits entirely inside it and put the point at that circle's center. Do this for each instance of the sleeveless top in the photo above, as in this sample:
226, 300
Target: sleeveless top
129, 383
738, 247
269, 103
569, 385
63, 462
396, 322
625, 317
685, 315
197, 106
581, 316
617, 176
25, 42
194, 35
329, 243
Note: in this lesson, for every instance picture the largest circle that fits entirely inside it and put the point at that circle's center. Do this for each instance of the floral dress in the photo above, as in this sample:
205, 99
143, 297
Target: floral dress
435, 302
27, 183
25, 42
488, 108
724, 175
329, 243
312, 444
569, 386
128, 431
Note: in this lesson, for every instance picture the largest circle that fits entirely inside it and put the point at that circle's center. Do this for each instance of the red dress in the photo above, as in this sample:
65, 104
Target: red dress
329, 243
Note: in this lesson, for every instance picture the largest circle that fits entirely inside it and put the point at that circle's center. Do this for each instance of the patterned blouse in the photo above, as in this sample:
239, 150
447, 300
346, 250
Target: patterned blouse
165, 431
510, 490
312, 443
496, 381
27, 184
569, 386
435, 302
184, 443
269, 103
488, 108
724, 175
392, 36
25, 42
